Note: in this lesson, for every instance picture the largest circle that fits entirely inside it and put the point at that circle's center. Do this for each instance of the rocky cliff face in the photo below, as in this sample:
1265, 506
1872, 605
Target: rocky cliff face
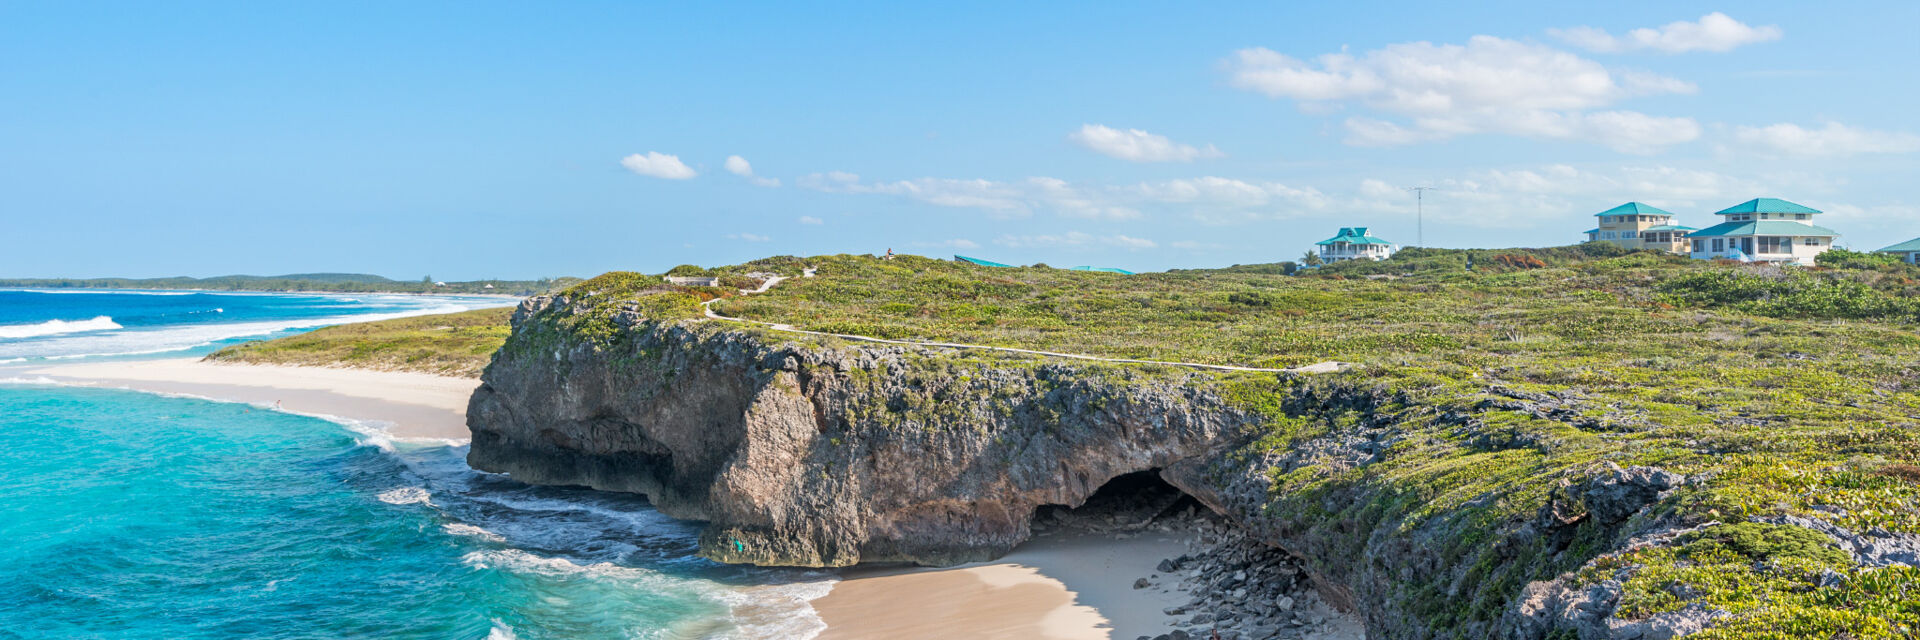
829, 455
826, 454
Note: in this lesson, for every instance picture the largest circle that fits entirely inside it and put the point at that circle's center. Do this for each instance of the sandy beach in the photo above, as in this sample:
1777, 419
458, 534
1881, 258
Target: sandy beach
415, 405
1058, 586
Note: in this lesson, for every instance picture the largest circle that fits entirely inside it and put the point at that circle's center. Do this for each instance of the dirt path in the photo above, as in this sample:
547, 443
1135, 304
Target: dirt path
1319, 367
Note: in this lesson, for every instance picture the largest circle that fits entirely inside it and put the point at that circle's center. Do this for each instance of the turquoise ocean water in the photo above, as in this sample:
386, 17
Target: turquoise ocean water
133, 515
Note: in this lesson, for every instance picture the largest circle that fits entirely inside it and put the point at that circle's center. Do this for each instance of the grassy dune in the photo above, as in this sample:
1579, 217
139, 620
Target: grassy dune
454, 344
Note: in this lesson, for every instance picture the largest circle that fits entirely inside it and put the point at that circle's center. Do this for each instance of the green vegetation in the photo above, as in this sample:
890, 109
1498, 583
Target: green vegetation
453, 344
327, 282
1780, 391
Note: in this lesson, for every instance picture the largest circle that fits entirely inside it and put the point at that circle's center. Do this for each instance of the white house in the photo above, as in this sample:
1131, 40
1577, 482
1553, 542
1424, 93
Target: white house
1763, 230
1354, 243
1640, 226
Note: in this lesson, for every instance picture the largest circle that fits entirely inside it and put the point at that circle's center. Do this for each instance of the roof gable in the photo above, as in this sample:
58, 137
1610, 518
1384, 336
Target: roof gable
1353, 235
1635, 208
1765, 228
1766, 205
1904, 247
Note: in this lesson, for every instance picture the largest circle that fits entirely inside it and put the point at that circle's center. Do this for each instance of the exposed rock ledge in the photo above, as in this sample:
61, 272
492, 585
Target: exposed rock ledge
830, 456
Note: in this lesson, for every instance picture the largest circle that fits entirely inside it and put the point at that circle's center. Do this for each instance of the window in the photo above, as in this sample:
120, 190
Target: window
1606, 235
1699, 246
1626, 234
1813, 242
1800, 216
1719, 245
1776, 244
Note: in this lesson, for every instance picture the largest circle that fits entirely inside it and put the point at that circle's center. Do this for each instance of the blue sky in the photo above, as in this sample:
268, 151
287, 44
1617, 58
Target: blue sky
478, 140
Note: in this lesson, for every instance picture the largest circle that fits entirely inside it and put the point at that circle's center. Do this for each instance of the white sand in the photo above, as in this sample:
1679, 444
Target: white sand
1061, 586
416, 405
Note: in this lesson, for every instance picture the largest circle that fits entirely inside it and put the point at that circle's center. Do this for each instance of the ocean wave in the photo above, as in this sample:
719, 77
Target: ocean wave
125, 342
777, 611
33, 380
124, 292
406, 495
470, 531
56, 327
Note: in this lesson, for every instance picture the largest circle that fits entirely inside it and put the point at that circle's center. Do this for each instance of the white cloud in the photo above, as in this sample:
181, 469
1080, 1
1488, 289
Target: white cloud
1137, 145
1712, 32
993, 196
811, 220
748, 237
1073, 239
1489, 85
956, 243
739, 166
1833, 140
1556, 195
1071, 201
658, 165
1209, 198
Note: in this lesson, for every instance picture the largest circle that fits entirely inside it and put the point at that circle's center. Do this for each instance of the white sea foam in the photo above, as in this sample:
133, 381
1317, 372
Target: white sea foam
778, 611
56, 327
406, 495
33, 380
183, 337
470, 531
501, 631
124, 292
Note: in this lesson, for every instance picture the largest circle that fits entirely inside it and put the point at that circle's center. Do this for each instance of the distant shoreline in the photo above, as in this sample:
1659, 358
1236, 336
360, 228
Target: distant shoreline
325, 291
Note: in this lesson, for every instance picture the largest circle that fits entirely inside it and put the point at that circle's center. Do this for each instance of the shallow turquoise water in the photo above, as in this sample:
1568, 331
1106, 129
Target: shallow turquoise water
129, 515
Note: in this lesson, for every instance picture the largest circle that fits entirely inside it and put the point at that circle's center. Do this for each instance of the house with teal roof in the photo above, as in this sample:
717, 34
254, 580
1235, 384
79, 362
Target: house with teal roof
1354, 243
1763, 230
1908, 251
1637, 225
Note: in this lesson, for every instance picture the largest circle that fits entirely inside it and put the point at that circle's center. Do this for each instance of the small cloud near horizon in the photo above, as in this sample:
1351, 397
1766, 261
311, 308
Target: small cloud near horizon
1136, 145
748, 237
661, 166
739, 166
811, 220
1716, 32
658, 165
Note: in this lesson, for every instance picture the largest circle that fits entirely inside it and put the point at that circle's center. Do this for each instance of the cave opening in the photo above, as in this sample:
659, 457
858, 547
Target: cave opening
1126, 502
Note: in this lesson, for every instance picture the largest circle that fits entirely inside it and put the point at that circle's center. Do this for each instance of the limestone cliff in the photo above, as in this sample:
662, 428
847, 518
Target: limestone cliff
824, 454
809, 451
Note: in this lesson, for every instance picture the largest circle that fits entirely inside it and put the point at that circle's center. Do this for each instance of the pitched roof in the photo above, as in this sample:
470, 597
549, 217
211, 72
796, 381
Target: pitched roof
1764, 228
1101, 269
983, 263
1767, 205
1353, 235
1910, 245
1635, 208
1667, 227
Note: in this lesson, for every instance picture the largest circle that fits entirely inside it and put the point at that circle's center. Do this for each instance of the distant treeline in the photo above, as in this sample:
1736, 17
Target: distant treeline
318, 282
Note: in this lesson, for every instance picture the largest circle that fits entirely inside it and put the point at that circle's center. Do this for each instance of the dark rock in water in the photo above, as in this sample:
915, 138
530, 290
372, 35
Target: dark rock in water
1167, 566
1140, 584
